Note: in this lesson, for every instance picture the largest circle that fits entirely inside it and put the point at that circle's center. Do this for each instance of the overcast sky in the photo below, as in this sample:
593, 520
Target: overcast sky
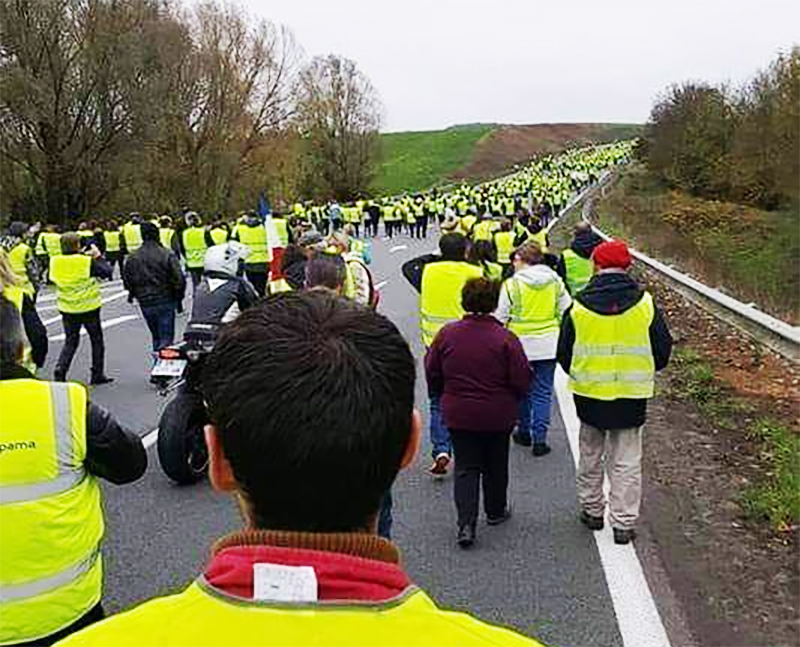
436, 63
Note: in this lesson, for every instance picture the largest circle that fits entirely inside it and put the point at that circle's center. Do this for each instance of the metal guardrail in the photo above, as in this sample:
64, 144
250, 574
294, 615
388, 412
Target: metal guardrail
773, 333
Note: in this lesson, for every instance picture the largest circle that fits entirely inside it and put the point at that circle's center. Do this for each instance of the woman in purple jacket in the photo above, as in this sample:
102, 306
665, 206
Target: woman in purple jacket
481, 372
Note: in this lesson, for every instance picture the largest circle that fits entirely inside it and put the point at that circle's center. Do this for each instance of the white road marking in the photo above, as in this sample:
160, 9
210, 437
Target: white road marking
397, 248
105, 285
637, 616
113, 297
378, 286
105, 324
150, 438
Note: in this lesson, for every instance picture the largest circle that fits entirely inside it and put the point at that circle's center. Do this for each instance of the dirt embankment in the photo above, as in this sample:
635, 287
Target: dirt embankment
508, 145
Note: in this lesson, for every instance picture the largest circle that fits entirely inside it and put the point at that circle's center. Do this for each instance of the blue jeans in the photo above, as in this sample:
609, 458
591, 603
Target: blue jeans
385, 516
440, 435
534, 411
160, 320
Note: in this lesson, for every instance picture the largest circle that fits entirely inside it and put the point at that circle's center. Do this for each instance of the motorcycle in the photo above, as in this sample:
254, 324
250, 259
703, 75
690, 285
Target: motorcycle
181, 444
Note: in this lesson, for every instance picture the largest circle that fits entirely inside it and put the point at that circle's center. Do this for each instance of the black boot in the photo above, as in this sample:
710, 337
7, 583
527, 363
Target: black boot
466, 535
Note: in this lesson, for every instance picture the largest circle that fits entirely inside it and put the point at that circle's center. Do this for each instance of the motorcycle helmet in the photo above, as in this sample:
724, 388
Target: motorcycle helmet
227, 258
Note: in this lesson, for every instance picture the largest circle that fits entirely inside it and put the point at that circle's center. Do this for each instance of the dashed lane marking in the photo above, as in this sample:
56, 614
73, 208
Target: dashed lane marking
378, 286
397, 248
637, 616
116, 321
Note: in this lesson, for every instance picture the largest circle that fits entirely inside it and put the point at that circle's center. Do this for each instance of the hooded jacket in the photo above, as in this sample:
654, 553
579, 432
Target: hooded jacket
610, 293
543, 346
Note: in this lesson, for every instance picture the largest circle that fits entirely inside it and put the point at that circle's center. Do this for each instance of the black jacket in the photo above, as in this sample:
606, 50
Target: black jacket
112, 453
217, 294
583, 245
613, 294
152, 275
414, 268
34, 331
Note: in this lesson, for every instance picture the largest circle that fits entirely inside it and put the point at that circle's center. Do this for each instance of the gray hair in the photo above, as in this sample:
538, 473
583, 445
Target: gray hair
12, 340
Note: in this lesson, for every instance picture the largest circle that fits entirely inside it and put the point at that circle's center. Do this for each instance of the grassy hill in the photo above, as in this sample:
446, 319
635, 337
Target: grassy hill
414, 161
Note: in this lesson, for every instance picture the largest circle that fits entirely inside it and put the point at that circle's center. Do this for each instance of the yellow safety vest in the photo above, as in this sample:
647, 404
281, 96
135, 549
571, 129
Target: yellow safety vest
534, 308
203, 616
51, 520
194, 247
541, 238
282, 228
440, 297
18, 259
612, 357
256, 239
504, 241
483, 230
133, 236
467, 222
16, 295
579, 271
219, 236
112, 241
40, 250
165, 235
279, 285
493, 271
52, 243
78, 291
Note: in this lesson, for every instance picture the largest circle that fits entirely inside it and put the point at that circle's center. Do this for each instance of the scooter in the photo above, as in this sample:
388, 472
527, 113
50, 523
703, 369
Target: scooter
181, 444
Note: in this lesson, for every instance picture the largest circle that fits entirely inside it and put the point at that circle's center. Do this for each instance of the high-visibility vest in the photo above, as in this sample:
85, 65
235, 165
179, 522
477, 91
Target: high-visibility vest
51, 520
483, 230
18, 259
534, 308
510, 204
78, 291
612, 357
256, 239
165, 235
194, 247
219, 235
52, 243
133, 236
504, 241
541, 238
40, 250
279, 285
111, 239
467, 222
16, 295
282, 228
579, 270
440, 297
203, 616
493, 271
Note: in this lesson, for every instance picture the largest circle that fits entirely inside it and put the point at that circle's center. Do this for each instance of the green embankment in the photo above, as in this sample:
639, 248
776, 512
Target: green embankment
413, 161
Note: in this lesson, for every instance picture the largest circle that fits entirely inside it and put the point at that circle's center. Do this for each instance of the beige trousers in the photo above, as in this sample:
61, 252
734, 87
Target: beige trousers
619, 451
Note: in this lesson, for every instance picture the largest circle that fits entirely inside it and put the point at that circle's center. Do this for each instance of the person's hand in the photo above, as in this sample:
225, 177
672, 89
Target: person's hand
93, 251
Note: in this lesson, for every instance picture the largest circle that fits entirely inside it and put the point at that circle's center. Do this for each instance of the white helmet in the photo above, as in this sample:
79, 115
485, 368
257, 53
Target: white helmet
225, 258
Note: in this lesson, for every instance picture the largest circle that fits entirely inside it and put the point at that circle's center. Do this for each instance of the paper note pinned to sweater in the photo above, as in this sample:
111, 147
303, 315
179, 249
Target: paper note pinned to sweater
279, 583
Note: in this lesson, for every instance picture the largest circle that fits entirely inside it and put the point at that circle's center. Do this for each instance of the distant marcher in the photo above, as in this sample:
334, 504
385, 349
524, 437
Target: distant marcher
21, 257
76, 277
192, 246
613, 339
152, 275
35, 344
484, 254
481, 373
575, 263
252, 233
112, 237
531, 304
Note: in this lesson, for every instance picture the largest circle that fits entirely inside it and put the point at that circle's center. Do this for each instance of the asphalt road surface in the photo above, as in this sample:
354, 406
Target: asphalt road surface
541, 572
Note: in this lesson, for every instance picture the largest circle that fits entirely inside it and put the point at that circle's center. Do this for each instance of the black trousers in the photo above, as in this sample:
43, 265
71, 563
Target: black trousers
481, 458
421, 227
95, 614
72, 329
258, 280
115, 258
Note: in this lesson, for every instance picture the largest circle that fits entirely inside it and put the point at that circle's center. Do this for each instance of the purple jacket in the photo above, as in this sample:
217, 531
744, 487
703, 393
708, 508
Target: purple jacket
481, 371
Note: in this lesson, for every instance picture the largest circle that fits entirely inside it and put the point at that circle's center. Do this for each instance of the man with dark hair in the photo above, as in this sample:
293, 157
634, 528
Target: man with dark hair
439, 280
575, 263
76, 277
54, 445
309, 460
152, 275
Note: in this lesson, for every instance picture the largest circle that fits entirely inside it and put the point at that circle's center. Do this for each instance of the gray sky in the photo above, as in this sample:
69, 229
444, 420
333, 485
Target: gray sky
436, 63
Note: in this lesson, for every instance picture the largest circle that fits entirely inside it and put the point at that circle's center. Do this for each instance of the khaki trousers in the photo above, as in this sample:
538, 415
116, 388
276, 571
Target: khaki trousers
619, 451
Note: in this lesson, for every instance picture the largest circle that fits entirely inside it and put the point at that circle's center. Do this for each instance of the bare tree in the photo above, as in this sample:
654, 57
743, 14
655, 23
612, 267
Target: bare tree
338, 117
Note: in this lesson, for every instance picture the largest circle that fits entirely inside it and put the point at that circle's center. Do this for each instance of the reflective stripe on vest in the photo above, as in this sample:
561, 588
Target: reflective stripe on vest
133, 236
504, 240
78, 291
51, 521
578, 269
612, 357
534, 308
112, 241
440, 297
256, 240
194, 246
16, 295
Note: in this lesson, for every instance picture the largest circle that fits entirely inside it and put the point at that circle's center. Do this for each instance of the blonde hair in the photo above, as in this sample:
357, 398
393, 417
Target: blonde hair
7, 275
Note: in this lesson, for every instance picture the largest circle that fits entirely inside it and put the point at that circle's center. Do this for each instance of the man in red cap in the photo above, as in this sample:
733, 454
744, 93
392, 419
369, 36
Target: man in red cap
612, 341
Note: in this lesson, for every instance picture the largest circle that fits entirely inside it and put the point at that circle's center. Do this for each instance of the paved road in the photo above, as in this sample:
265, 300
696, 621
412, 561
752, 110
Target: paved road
540, 572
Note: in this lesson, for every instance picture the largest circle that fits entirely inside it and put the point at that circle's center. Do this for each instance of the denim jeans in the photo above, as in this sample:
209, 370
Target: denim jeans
160, 320
534, 411
440, 435
385, 516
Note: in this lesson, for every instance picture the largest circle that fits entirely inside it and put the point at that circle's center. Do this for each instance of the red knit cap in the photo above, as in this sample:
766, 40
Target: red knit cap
612, 253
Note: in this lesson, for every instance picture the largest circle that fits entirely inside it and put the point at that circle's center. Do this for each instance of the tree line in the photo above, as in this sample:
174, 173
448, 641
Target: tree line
149, 105
737, 144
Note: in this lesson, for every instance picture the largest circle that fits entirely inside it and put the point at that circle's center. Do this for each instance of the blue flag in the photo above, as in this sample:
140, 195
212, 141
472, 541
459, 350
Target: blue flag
263, 205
